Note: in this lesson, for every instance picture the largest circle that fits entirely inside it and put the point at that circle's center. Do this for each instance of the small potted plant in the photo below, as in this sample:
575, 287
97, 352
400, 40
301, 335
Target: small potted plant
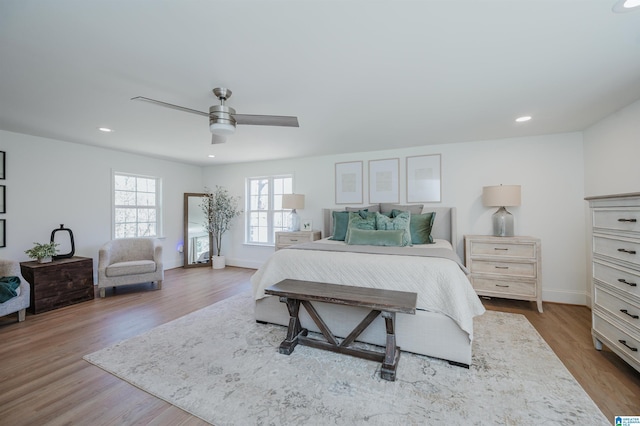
43, 253
220, 208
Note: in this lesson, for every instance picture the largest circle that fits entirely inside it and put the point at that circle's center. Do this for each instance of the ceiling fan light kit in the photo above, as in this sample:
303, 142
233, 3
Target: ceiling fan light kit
221, 121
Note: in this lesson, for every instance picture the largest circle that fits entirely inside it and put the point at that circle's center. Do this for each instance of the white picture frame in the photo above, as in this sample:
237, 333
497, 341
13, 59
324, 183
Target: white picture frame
349, 182
384, 182
307, 225
424, 182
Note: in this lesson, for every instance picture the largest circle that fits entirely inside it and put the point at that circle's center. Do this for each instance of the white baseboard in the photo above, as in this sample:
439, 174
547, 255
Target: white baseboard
563, 296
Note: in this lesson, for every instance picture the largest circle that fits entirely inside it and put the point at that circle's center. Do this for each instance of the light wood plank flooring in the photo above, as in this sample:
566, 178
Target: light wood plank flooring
44, 380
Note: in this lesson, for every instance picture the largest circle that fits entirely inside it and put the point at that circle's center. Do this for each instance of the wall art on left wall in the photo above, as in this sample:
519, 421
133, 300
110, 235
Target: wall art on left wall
3, 233
2, 165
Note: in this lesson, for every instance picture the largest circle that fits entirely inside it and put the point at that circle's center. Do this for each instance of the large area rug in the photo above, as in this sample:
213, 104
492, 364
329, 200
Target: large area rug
221, 366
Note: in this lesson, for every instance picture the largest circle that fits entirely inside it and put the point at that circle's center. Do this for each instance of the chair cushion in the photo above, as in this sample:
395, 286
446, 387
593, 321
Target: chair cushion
130, 268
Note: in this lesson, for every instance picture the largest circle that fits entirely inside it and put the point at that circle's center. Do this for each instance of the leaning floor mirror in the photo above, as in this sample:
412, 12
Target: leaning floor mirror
197, 240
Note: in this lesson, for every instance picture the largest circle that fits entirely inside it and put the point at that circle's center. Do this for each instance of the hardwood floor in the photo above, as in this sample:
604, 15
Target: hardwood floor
44, 380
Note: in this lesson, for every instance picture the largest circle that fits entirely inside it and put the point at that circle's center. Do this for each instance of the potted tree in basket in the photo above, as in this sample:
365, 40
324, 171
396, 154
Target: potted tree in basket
220, 208
43, 253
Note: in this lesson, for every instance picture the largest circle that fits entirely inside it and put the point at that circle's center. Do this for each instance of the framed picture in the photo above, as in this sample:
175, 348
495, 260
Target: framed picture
3, 198
2, 164
423, 179
384, 184
3, 233
307, 225
349, 183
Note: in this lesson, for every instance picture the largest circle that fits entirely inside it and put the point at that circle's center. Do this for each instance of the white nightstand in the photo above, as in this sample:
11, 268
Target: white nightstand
508, 267
289, 238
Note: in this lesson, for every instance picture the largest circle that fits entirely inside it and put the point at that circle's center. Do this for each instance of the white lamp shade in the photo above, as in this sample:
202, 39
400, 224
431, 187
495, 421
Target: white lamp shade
293, 201
501, 196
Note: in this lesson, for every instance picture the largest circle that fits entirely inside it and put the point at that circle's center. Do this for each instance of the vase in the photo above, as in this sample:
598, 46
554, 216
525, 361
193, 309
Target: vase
217, 262
46, 259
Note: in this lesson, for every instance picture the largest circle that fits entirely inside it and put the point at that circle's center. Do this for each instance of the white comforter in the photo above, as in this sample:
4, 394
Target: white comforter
440, 283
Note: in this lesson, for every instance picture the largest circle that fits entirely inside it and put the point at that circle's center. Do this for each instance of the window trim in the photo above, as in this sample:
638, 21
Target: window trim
159, 203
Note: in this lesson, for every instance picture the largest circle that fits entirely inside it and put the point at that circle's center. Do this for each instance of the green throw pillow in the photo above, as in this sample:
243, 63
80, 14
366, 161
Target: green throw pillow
340, 224
359, 222
375, 238
401, 221
8, 287
421, 225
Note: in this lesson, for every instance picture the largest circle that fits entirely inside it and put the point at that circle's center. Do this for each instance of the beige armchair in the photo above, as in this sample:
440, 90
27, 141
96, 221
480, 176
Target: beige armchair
20, 303
129, 261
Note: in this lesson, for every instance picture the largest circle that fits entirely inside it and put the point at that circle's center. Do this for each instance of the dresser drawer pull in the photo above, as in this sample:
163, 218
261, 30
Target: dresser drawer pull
627, 251
627, 220
624, 311
502, 285
624, 342
623, 281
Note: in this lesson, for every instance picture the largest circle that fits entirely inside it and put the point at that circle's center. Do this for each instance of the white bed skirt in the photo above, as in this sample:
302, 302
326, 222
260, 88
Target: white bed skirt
425, 333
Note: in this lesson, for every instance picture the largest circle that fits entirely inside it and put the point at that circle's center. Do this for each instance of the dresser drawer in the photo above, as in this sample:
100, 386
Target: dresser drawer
624, 342
624, 311
516, 250
503, 288
516, 269
627, 220
621, 278
624, 249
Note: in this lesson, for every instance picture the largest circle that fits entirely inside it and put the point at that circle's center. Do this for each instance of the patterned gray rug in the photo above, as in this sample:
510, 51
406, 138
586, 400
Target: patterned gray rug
221, 366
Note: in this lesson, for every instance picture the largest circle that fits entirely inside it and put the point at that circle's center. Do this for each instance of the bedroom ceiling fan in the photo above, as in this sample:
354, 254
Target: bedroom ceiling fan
223, 119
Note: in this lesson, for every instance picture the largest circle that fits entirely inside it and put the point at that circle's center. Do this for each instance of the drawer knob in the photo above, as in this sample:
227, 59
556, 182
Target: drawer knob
627, 220
627, 251
624, 311
624, 342
623, 281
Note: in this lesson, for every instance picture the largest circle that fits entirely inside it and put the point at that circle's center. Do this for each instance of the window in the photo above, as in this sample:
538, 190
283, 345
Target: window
265, 215
136, 206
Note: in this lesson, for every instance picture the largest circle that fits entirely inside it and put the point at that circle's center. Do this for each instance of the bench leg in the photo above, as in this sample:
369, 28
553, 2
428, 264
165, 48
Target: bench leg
295, 329
392, 352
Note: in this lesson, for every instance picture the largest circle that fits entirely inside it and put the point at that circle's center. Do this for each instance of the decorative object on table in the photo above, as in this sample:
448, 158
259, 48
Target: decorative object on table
3, 156
307, 225
501, 196
293, 202
3, 199
3, 233
220, 208
65, 235
423, 179
384, 183
43, 253
349, 182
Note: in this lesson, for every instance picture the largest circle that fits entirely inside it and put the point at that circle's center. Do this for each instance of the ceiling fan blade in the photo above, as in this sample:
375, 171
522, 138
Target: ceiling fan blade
267, 120
216, 139
168, 105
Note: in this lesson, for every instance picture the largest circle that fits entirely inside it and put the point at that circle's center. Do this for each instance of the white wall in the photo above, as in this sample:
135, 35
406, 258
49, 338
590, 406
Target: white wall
549, 168
50, 182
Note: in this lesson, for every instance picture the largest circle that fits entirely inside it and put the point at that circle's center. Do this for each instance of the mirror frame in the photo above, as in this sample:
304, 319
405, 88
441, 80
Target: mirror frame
185, 244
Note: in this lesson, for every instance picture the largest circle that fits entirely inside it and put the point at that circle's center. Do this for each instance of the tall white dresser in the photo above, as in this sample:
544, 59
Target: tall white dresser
615, 237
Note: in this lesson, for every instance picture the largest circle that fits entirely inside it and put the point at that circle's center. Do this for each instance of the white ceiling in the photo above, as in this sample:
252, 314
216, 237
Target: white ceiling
359, 75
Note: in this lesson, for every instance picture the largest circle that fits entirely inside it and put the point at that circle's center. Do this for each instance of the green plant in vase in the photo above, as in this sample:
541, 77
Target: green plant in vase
43, 253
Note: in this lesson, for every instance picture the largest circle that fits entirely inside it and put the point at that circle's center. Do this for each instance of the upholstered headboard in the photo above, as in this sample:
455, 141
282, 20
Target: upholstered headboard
444, 226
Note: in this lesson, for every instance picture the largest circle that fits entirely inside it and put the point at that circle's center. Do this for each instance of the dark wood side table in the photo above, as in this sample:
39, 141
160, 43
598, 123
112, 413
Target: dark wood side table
58, 283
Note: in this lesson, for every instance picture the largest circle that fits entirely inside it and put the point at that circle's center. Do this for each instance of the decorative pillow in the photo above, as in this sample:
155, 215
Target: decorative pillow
375, 238
359, 222
371, 208
412, 208
8, 287
401, 221
340, 224
420, 226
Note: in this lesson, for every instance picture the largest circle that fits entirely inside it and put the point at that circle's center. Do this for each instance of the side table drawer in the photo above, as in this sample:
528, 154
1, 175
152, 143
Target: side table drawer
290, 239
523, 250
503, 288
515, 269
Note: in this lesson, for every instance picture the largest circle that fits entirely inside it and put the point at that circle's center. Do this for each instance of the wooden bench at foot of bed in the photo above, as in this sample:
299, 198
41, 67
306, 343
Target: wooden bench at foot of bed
381, 302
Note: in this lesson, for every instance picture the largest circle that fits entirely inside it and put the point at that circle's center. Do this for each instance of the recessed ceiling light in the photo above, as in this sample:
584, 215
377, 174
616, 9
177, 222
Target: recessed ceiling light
105, 129
211, 156
622, 6
523, 118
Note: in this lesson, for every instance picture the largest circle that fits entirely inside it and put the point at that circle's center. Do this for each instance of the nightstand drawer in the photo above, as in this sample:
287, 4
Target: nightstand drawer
504, 288
523, 250
290, 239
516, 269
627, 220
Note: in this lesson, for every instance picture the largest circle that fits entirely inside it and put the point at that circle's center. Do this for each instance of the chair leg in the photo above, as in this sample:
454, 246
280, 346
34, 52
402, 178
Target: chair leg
21, 314
102, 292
159, 284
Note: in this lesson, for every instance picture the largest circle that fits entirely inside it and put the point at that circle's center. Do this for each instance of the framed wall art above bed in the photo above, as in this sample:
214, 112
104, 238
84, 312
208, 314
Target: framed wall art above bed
349, 182
423, 179
384, 183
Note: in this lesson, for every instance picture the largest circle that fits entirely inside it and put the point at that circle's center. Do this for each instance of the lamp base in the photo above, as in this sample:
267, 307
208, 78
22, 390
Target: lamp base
502, 223
294, 221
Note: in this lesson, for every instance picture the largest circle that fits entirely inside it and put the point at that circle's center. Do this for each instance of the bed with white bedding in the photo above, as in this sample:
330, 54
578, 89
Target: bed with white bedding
443, 324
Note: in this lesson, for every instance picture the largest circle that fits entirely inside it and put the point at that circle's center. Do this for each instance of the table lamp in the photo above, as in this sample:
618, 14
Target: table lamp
293, 202
501, 196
